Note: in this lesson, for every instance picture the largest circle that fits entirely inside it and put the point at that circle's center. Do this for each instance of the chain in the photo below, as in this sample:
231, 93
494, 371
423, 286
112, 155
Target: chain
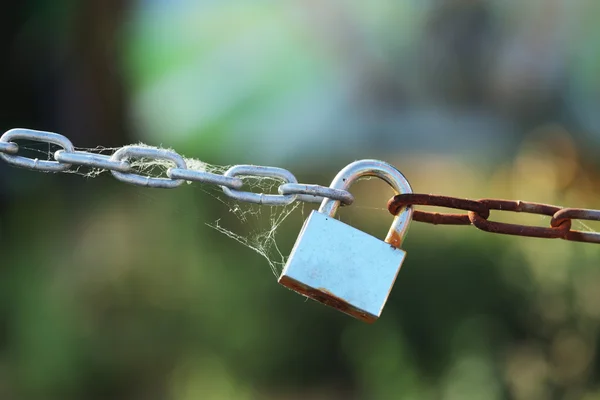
478, 212
119, 165
232, 184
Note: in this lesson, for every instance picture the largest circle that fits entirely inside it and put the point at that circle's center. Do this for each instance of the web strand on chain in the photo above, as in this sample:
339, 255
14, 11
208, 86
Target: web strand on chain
261, 241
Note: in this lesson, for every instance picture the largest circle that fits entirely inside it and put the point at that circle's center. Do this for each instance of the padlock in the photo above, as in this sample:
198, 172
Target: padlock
341, 266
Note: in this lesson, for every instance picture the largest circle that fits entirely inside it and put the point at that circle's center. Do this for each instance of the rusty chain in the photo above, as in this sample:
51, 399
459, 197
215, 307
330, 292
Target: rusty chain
478, 213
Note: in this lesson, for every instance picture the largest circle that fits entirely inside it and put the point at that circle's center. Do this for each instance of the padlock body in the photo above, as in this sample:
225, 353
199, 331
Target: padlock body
342, 267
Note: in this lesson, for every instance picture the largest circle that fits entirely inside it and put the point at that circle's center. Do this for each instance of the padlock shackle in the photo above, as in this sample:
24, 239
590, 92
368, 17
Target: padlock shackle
366, 168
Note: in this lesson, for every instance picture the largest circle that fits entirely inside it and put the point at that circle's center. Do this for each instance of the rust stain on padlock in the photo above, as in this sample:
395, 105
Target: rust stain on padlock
394, 239
324, 296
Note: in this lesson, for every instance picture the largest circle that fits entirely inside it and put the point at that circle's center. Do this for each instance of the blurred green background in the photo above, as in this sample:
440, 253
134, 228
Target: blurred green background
116, 292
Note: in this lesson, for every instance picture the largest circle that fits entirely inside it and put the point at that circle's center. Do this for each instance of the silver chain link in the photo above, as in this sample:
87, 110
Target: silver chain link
119, 165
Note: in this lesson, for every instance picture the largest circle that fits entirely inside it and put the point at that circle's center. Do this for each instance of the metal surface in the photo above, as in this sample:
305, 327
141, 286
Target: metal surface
91, 160
205, 177
570, 214
340, 266
479, 212
367, 168
150, 153
318, 192
516, 229
9, 148
408, 199
261, 198
37, 136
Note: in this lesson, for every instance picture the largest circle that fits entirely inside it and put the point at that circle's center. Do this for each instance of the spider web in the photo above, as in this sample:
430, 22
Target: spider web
262, 240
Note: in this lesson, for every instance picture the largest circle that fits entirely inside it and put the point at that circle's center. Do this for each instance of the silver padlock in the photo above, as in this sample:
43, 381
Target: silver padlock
341, 266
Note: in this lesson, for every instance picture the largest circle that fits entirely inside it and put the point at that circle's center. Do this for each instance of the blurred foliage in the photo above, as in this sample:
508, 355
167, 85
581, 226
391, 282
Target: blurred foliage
119, 292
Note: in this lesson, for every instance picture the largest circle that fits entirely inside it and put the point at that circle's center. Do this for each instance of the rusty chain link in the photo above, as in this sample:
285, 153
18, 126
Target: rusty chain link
478, 213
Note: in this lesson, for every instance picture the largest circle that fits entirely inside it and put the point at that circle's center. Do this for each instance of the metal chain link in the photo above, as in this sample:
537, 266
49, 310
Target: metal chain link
478, 212
119, 165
